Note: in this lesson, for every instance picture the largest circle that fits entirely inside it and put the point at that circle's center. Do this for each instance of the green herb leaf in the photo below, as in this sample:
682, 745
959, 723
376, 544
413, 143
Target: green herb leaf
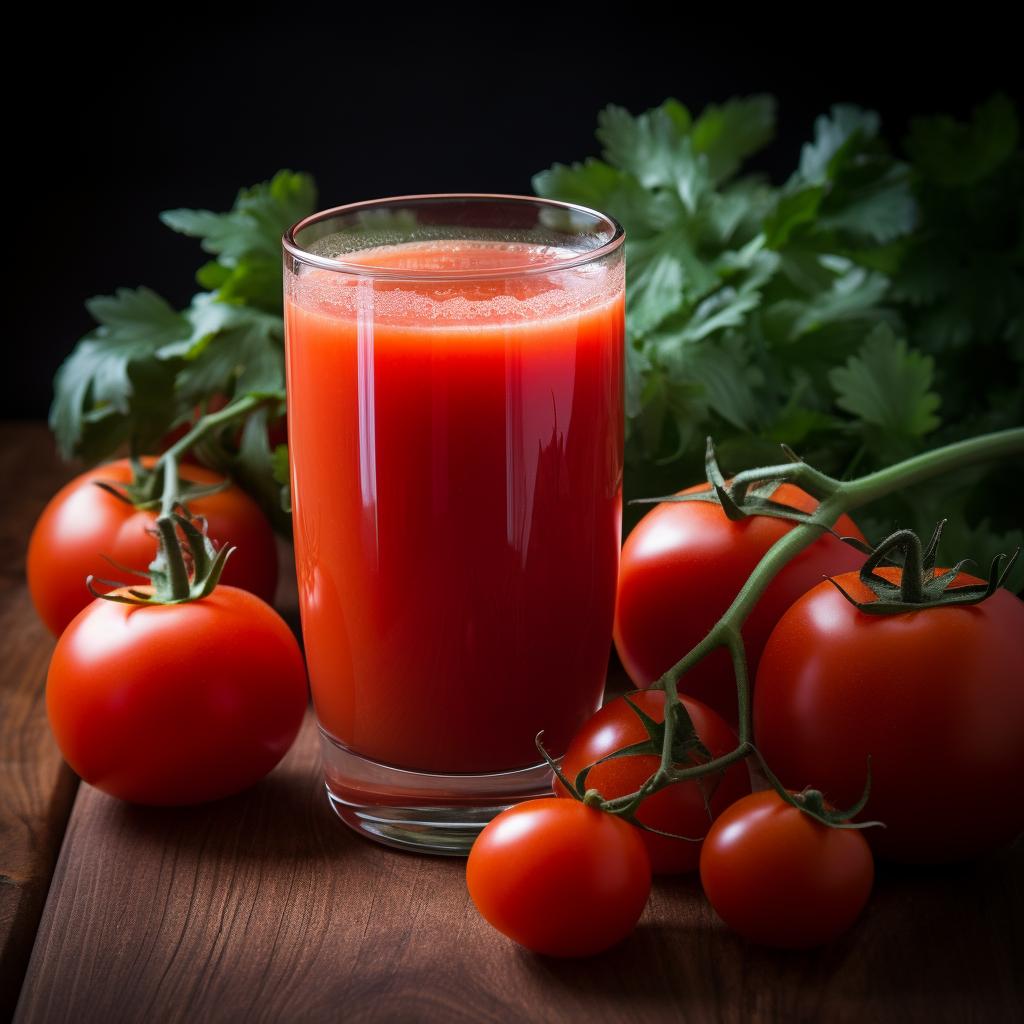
114, 371
728, 134
254, 226
254, 468
597, 185
232, 350
952, 153
845, 126
654, 147
888, 385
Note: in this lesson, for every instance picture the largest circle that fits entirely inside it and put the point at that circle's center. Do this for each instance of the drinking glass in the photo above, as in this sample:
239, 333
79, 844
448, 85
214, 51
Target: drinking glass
455, 416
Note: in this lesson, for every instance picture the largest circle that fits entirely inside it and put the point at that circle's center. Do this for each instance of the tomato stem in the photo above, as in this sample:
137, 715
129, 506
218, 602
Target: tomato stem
238, 409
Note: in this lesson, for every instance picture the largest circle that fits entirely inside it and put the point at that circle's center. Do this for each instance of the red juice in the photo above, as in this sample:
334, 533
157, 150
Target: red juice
456, 458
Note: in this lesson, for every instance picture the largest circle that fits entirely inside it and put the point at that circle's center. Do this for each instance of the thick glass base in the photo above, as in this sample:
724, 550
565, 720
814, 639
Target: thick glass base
420, 811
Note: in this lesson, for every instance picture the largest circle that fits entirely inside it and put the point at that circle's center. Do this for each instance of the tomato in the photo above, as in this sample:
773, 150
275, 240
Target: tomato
176, 703
681, 568
780, 878
934, 696
559, 877
82, 523
679, 808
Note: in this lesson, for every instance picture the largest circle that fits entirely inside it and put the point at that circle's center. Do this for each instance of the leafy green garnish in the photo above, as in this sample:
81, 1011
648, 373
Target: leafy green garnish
888, 388
148, 367
867, 308
119, 376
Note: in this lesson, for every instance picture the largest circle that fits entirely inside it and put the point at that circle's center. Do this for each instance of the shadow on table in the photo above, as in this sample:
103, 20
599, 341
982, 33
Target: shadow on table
286, 816
927, 933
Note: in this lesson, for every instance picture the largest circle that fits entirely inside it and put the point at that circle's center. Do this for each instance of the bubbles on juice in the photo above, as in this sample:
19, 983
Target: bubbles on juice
380, 232
515, 287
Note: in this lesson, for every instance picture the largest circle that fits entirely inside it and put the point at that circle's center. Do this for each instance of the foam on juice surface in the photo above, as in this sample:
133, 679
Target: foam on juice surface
517, 287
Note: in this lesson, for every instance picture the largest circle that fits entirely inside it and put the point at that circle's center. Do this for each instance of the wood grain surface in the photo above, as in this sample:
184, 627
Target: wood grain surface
36, 787
265, 907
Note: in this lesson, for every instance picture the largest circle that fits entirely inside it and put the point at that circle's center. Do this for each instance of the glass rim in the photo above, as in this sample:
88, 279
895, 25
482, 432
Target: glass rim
297, 252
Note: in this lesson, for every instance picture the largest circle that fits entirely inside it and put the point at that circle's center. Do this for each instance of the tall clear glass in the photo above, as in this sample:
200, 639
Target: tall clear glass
455, 417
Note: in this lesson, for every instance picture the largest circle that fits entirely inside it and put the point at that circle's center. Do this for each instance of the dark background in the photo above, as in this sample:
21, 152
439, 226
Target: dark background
113, 129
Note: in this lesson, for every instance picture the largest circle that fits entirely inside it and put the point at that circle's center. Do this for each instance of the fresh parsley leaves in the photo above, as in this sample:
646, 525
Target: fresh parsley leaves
870, 306
147, 367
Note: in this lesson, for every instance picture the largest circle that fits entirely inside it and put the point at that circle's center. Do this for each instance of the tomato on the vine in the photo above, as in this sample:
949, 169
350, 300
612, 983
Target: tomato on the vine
778, 877
936, 698
559, 877
82, 523
683, 808
681, 567
176, 703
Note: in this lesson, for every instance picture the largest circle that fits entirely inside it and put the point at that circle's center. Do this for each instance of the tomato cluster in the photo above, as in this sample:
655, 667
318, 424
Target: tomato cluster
929, 697
164, 701
681, 567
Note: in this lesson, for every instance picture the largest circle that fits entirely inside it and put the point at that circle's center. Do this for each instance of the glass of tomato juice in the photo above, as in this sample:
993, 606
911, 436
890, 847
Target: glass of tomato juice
455, 416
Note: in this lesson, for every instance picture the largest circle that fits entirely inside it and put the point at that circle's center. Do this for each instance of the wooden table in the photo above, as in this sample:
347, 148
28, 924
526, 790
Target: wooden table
264, 907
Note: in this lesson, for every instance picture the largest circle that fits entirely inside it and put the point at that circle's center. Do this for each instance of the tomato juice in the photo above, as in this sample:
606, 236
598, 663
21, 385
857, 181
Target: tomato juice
456, 459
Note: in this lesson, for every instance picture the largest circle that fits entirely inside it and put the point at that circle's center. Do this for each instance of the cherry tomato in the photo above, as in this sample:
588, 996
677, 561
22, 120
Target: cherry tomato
681, 568
679, 808
176, 703
558, 877
935, 696
83, 522
779, 878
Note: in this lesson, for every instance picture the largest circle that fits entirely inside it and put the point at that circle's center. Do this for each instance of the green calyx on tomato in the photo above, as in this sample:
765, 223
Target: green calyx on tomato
919, 586
187, 566
672, 740
750, 493
812, 802
145, 489
687, 749
619, 748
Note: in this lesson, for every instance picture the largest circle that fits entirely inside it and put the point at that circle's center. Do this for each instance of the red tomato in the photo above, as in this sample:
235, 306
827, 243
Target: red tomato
935, 696
681, 568
780, 878
176, 703
82, 523
679, 808
559, 877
